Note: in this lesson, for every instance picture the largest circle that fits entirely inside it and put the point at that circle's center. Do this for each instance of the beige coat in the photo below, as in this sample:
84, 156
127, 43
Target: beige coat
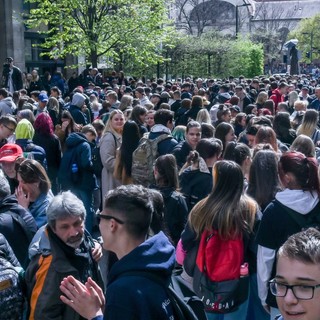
108, 150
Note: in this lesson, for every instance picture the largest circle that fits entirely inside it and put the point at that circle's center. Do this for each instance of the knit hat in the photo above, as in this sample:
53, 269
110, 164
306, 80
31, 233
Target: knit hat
78, 100
24, 130
10, 152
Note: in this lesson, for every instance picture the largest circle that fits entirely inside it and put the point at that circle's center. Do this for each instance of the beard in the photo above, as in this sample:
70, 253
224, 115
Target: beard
75, 242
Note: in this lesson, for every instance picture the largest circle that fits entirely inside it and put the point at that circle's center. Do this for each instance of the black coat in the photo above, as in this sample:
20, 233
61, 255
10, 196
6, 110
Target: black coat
195, 185
18, 231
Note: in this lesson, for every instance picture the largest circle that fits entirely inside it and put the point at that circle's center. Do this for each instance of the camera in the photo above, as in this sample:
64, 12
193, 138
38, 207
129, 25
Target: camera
6, 67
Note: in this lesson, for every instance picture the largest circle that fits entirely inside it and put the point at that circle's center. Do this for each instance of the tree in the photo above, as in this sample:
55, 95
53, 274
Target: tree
212, 55
308, 34
110, 29
196, 16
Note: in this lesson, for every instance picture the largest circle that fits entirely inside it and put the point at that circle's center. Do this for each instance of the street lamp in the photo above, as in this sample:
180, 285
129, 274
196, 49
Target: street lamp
246, 3
311, 43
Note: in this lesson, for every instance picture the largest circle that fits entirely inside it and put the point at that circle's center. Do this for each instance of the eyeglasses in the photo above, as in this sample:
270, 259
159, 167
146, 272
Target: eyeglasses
301, 292
10, 129
107, 217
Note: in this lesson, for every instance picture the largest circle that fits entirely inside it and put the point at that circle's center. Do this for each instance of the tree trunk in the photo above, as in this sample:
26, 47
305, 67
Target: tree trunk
94, 58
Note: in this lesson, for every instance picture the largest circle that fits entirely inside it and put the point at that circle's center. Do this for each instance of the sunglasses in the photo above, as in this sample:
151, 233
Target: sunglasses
108, 217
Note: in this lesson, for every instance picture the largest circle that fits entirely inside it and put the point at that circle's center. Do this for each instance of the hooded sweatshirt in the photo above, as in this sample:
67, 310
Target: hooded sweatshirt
137, 297
275, 228
7, 106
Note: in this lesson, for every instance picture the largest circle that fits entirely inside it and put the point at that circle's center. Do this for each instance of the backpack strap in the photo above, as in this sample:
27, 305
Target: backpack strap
301, 220
114, 138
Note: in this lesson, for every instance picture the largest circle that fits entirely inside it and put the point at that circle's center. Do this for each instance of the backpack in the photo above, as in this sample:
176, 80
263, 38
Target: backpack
66, 177
96, 158
96, 161
185, 304
143, 159
216, 279
11, 296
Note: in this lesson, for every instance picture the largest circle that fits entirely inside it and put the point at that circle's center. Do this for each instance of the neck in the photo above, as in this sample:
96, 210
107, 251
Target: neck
127, 245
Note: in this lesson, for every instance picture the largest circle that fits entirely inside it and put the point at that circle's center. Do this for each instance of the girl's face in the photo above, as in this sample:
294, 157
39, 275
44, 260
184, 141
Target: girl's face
230, 136
30, 189
117, 121
150, 120
227, 117
143, 117
254, 111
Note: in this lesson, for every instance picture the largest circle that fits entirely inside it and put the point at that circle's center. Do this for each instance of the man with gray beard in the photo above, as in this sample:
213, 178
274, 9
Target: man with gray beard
60, 248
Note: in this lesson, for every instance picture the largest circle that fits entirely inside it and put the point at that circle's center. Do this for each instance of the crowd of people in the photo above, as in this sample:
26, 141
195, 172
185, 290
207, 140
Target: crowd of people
237, 155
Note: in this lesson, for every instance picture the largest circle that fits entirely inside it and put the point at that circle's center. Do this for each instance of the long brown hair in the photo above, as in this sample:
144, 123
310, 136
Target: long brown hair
226, 208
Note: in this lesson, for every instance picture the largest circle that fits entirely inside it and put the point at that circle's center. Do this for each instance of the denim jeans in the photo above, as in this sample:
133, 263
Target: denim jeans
239, 314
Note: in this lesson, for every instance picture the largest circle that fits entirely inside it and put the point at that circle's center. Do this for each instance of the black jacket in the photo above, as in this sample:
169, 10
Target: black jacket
195, 185
181, 152
176, 212
18, 226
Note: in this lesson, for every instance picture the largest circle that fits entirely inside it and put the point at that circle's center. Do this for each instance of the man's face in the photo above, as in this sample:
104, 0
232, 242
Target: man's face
42, 104
6, 130
284, 90
317, 93
294, 272
9, 168
193, 136
70, 230
108, 227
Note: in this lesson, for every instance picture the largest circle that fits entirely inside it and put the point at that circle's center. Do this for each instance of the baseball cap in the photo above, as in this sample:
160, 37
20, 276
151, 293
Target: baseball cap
10, 152
43, 97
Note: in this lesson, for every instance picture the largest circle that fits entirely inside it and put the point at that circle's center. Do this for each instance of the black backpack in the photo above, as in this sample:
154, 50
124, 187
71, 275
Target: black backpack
185, 303
96, 158
11, 296
66, 177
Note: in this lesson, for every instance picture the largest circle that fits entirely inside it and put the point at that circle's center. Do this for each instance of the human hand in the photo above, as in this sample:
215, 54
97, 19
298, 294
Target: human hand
23, 199
96, 252
84, 299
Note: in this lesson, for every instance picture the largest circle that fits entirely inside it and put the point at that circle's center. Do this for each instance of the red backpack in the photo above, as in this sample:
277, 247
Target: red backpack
217, 278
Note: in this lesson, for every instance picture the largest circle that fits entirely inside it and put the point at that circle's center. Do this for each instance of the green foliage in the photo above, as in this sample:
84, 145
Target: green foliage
211, 55
308, 34
112, 29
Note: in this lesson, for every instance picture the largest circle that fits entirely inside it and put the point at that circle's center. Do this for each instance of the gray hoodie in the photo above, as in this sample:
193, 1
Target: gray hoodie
7, 106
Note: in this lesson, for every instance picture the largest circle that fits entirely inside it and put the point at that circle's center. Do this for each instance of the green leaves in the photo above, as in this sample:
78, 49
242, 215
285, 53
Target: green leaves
96, 28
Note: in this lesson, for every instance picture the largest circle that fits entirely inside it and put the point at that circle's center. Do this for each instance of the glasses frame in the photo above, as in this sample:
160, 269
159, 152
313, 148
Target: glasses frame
10, 129
291, 287
108, 217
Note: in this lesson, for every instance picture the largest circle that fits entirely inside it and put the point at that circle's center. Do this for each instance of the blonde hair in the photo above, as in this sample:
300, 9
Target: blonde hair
309, 123
108, 127
203, 116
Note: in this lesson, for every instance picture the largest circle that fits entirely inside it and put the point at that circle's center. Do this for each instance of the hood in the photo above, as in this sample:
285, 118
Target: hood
298, 200
40, 243
24, 130
9, 102
9, 203
78, 99
75, 139
156, 254
160, 128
